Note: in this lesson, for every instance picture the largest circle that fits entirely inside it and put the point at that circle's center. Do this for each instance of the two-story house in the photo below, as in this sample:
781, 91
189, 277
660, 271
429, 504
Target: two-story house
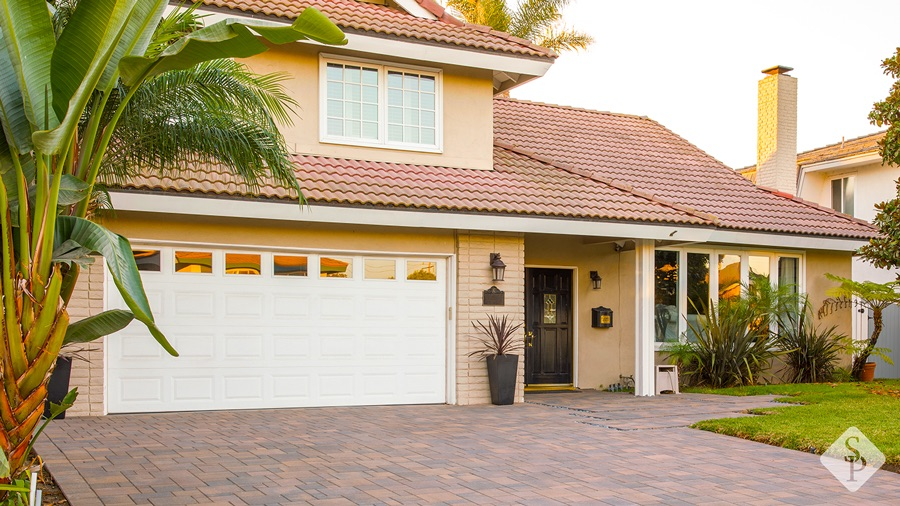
417, 177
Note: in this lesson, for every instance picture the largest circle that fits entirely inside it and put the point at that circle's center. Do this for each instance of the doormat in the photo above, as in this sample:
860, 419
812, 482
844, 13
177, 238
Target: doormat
552, 389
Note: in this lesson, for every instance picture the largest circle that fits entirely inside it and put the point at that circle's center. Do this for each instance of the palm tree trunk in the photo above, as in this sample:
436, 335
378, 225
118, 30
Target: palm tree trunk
860, 360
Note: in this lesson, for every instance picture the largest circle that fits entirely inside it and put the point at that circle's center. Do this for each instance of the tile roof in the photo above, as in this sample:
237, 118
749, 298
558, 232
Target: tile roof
639, 152
845, 148
353, 15
518, 184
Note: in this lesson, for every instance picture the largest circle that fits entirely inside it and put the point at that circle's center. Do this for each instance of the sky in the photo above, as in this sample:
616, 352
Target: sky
693, 66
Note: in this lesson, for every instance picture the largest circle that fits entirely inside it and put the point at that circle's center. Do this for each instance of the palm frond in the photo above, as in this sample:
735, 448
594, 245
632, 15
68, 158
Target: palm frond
216, 113
564, 40
534, 18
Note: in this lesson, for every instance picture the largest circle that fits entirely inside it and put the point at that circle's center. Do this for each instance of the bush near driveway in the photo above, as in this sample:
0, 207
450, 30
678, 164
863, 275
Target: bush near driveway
818, 414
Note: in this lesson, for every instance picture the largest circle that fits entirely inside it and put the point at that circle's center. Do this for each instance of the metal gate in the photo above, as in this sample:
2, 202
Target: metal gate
890, 338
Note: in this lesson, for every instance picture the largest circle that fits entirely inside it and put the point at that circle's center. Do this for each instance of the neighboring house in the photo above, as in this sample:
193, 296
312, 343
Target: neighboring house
416, 175
849, 177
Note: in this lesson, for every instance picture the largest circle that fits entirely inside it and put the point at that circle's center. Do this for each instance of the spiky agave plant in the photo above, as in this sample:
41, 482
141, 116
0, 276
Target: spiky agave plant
63, 91
497, 337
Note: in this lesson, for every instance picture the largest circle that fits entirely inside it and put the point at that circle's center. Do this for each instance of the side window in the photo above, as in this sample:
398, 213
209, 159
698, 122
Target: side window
842, 191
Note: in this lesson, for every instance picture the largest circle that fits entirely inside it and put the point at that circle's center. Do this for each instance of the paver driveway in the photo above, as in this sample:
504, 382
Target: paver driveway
590, 447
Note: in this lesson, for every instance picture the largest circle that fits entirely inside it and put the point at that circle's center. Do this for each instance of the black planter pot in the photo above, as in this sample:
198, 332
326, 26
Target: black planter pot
502, 378
59, 385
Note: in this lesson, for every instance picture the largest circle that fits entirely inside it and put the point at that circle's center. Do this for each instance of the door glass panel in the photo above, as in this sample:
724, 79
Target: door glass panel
193, 261
147, 260
242, 263
666, 299
729, 277
425, 271
336, 267
381, 269
550, 308
288, 265
697, 292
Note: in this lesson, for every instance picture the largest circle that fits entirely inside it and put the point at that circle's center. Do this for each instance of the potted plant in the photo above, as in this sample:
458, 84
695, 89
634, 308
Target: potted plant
498, 344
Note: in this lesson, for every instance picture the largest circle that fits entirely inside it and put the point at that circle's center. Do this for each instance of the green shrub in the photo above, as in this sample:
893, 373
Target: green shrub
810, 352
732, 348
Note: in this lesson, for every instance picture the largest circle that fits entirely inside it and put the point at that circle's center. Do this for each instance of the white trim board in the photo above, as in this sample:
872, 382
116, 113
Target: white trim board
290, 211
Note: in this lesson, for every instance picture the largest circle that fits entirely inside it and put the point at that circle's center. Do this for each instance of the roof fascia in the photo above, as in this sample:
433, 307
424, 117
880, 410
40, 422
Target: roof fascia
842, 163
290, 211
527, 67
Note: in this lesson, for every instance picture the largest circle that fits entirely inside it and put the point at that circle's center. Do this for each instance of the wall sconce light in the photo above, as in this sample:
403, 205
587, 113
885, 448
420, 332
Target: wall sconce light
498, 267
596, 280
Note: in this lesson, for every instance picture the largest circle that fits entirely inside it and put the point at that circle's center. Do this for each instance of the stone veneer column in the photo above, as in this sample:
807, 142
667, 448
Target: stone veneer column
87, 374
473, 251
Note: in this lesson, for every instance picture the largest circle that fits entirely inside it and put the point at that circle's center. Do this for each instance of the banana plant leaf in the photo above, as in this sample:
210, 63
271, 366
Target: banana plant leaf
120, 261
97, 326
230, 38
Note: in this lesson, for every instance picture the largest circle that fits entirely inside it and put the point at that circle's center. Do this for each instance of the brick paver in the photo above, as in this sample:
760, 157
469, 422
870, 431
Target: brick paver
587, 448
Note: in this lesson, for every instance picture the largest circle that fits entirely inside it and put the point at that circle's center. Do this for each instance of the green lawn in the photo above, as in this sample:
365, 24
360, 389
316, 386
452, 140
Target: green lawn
820, 413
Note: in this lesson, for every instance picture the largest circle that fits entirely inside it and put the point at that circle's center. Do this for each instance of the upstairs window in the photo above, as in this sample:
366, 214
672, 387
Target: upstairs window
380, 106
842, 190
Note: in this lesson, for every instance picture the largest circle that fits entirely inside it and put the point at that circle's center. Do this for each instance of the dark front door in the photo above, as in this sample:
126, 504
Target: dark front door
548, 315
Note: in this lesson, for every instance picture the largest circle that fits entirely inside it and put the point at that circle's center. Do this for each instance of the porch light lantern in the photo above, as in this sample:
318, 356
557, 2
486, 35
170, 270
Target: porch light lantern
596, 280
497, 267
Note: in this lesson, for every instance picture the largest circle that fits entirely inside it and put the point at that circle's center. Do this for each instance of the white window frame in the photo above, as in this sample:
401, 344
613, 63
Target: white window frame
383, 69
714, 253
849, 178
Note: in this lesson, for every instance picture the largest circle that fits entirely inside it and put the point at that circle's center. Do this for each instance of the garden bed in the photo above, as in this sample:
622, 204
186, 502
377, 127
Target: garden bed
818, 413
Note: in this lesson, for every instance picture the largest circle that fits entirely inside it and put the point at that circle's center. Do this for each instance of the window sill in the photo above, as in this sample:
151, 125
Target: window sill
378, 145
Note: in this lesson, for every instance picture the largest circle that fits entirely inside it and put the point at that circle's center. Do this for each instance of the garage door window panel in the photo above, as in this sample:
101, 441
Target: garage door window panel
421, 271
380, 268
336, 267
243, 264
148, 260
197, 262
290, 265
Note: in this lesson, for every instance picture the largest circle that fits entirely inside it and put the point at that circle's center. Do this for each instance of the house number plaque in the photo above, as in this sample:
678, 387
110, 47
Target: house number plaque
493, 296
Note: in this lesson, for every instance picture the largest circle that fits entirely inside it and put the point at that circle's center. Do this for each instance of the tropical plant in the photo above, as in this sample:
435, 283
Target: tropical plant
497, 337
867, 295
731, 348
63, 91
810, 352
539, 21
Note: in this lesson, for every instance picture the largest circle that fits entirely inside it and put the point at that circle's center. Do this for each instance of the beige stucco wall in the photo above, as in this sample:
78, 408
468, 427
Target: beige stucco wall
467, 110
601, 355
818, 263
473, 251
87, 365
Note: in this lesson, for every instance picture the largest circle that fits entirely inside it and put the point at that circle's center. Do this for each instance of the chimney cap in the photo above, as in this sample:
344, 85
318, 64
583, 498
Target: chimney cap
777, 69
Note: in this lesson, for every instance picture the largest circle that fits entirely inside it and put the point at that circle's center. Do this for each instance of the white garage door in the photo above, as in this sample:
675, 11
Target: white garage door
263, 330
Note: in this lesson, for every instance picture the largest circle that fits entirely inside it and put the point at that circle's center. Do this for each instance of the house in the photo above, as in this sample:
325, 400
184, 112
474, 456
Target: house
849, 177
417, 177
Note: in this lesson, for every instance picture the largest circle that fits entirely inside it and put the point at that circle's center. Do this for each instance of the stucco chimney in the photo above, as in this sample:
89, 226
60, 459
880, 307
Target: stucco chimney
776, 144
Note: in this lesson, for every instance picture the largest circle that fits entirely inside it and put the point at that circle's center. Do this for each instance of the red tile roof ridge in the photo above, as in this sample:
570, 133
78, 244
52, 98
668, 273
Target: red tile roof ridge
609, 182
815, 205
572, 108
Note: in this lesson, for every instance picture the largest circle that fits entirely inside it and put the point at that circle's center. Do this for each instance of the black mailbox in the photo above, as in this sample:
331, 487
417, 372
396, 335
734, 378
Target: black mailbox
601, 317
